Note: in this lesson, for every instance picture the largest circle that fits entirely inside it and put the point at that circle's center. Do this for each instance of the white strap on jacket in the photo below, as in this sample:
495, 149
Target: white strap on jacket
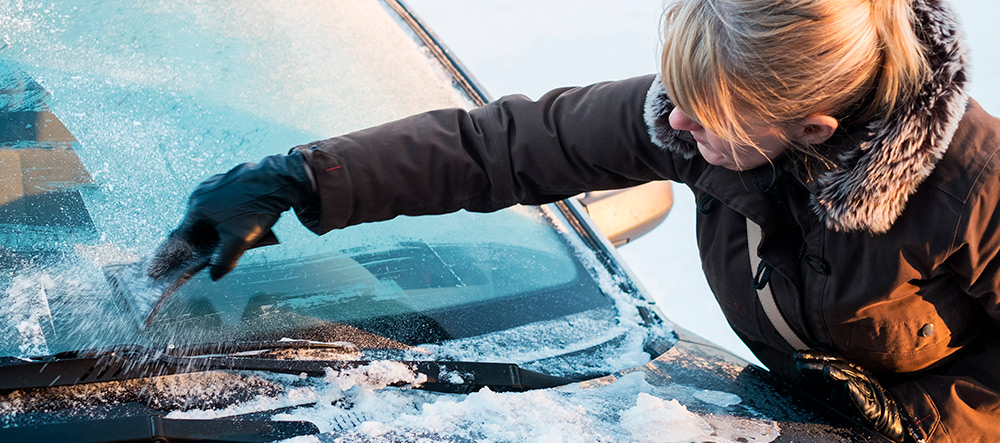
764, 294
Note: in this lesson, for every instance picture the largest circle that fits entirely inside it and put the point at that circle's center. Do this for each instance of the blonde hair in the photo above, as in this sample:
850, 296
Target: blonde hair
728, 63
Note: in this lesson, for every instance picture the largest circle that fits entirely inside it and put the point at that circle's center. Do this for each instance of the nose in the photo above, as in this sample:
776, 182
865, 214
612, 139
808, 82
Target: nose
681, 122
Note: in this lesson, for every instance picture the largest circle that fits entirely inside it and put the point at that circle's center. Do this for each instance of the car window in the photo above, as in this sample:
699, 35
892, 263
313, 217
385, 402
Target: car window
114, 111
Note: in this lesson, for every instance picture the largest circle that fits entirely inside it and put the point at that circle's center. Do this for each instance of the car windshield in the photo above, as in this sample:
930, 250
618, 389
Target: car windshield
112, 112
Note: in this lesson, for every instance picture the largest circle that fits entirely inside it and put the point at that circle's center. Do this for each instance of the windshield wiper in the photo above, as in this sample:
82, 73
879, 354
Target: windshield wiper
241, 348
151, 428
132, 362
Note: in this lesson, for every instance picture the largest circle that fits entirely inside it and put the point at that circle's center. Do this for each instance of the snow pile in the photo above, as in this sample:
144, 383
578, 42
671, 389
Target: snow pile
626, 410
655, 419
336, 388
375, 375
362, 405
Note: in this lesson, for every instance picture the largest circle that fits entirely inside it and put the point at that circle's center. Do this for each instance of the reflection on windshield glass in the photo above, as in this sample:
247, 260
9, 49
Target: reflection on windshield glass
113, 111
416, 293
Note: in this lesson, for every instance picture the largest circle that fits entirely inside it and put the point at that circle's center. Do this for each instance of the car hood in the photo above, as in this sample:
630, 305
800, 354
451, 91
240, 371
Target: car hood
691, 392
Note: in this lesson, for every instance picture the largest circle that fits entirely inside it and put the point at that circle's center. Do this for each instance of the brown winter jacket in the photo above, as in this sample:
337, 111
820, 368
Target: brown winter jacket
887, 253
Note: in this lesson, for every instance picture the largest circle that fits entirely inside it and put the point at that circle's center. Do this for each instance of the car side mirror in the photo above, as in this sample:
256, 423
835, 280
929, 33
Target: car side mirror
626, 214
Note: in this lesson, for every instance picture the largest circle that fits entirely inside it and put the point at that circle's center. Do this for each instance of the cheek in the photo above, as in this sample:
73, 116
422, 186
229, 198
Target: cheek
752, 157
772, 147
711, 155
716, 152
747, 153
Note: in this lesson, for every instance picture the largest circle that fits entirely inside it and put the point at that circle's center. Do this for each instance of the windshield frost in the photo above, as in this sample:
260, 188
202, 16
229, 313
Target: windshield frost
118, 109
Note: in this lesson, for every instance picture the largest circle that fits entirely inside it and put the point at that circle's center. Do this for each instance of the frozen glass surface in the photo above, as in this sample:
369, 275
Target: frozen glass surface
114, 111
162, 94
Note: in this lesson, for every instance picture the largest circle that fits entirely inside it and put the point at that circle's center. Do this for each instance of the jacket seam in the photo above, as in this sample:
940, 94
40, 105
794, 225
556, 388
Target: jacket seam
976, 189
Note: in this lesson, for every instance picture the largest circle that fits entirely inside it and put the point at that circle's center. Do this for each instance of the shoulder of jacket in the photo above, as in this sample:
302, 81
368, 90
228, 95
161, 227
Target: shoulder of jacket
970, 168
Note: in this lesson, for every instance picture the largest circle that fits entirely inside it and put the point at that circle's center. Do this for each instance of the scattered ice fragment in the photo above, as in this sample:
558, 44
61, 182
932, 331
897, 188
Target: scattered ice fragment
106, 253
453, 378
25, 306
653, 419
32, 339
718, 398
375, 375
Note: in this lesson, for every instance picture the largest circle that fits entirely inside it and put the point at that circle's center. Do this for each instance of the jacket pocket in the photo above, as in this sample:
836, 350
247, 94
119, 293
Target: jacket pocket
909, 334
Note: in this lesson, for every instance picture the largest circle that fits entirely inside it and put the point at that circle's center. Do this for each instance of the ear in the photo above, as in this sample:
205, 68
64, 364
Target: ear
816, 129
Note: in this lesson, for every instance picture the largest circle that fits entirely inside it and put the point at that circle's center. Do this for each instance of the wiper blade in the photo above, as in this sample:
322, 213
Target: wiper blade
206, 349
260, 347
442, 376
114, 364
147, 428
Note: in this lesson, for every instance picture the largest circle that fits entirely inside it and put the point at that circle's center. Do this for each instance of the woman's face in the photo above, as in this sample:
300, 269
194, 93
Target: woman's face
729, 155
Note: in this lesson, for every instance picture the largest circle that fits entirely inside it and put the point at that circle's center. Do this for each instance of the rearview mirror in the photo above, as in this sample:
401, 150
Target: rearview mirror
626, 214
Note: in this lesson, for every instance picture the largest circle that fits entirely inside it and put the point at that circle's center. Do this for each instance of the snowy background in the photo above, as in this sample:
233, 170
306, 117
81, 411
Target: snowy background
531, 46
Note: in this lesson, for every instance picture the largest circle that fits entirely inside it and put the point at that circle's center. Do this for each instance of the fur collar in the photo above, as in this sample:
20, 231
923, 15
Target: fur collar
875, 177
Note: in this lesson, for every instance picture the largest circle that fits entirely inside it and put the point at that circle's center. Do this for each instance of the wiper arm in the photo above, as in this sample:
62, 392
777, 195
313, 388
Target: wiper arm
113, 364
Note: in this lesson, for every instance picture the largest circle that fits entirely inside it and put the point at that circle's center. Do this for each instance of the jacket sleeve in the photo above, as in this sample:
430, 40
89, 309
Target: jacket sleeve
511, 151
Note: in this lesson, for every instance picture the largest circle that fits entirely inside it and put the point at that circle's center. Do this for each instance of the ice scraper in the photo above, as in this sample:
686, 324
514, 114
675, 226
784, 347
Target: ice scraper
141, 296
227, 214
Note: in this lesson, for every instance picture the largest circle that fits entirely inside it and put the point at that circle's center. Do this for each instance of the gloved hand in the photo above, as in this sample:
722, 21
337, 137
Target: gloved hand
232, 212
856, 391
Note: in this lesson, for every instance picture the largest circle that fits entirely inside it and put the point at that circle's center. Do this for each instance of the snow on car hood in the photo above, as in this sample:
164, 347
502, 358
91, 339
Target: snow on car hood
357, 405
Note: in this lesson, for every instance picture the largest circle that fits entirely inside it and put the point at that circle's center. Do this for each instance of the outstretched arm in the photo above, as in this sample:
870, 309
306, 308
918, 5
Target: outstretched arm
511, 151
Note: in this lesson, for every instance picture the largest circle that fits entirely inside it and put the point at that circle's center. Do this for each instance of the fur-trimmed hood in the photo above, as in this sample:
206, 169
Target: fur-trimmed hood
873, 179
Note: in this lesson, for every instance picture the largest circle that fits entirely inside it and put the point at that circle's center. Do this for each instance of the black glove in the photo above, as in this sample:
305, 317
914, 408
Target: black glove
856, 391
232, 212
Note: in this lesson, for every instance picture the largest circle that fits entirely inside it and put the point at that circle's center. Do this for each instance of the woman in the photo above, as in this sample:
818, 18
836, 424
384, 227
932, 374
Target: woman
842, 176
